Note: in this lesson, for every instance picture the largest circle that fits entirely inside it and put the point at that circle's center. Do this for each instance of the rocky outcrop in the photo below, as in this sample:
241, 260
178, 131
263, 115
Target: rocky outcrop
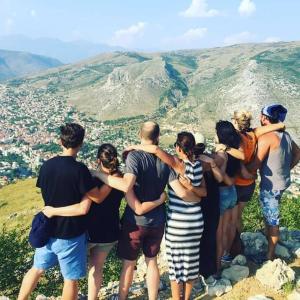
275, 274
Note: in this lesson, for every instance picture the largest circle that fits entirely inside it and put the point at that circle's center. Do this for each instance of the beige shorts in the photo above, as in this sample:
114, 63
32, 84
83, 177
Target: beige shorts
101, 247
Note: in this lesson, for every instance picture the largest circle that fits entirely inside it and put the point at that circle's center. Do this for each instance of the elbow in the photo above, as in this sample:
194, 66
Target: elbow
139, 212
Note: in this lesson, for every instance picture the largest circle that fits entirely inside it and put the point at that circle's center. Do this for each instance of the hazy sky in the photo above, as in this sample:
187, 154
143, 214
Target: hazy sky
154, 24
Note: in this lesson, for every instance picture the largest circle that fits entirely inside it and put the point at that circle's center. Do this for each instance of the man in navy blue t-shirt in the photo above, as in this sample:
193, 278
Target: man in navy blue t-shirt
63, 182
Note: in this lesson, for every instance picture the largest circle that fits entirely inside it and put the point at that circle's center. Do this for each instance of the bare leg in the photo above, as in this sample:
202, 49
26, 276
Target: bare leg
152, 277
126, 278
29, 283
241, 207
70, 290
227, 220
96, 262
188, 286
232, 227
219, 244
273, 237
175, 288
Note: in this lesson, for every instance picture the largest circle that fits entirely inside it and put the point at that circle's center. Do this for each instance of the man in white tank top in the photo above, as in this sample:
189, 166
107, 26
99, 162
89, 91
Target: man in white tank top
276, 155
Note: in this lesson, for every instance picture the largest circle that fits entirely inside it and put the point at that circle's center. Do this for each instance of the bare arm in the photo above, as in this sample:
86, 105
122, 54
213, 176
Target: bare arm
164, 156
246, 174
259, 131
123, 184
78, 209
183, 193
200, 190
295, 154
237, 153
81, 208
213, 166
263, 148
142, 208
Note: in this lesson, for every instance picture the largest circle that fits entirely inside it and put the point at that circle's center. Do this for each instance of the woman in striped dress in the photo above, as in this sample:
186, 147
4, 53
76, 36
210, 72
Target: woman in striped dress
184, 218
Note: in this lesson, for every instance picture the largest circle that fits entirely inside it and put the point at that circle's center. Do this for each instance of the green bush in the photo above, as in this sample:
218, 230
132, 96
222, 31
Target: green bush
289, 213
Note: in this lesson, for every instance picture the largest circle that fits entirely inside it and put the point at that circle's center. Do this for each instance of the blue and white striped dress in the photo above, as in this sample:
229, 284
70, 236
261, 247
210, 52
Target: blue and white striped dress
184, 230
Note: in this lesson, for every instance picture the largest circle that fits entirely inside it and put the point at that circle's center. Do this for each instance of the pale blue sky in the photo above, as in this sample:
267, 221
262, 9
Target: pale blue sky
155, 24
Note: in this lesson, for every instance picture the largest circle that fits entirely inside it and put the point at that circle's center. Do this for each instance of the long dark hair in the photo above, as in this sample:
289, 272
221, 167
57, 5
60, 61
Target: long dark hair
227, 134
186, 142
108, 156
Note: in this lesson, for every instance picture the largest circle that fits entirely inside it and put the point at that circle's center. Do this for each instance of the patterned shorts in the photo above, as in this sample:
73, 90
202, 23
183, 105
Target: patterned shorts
269, 201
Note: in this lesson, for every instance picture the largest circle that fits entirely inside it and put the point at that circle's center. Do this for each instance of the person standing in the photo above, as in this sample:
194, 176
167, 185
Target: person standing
64, 181
276, 155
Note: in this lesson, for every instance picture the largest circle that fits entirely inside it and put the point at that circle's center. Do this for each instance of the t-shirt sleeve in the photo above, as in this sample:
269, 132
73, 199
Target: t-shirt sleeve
132, 164
86, 182
173, 176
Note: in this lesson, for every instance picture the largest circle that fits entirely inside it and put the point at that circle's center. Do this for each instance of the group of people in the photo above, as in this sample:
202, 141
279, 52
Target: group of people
207, 193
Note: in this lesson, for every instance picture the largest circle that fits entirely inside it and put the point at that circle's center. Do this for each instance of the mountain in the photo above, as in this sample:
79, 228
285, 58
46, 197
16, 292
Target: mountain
190, 87
67, 52
18, 64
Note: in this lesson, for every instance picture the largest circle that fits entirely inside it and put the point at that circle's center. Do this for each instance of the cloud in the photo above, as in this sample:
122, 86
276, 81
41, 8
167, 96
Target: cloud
127, 36
272, 39
239, 38
247, 8
199, 9
33, 13
189, 39
8, 25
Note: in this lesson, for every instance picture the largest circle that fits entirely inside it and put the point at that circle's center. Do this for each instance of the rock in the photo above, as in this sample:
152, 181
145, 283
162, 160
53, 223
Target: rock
221, 287
4, 298
275, 274
296, 252
137, 289
295, 295
236, 273
282, 252
283, 234
239, 260
259, 297
295, 235
254, 243
41, 297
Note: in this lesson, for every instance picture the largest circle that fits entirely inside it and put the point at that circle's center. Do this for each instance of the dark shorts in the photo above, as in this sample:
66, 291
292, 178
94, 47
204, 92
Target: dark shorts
245, 192
134, 237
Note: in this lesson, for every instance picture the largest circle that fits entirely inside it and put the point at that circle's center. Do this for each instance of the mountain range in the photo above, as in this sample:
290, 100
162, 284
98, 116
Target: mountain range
190, 88
18, 64
66, 52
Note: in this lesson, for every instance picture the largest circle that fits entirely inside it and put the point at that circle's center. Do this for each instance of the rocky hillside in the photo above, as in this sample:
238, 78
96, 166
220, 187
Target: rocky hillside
193, 86
18, 64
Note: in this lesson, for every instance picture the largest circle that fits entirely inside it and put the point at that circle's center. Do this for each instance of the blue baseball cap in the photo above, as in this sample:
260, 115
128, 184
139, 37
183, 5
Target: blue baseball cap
275, 112
40, 231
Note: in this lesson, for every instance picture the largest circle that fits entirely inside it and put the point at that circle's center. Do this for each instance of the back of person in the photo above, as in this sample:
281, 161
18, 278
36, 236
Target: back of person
193, 171
275, 169
249, 144
105, 215
152, 176
64, 181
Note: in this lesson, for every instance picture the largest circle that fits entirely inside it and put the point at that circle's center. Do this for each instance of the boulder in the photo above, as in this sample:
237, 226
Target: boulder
236, 273
255, 243
4, 298
295, 295
282, 252
239, 260
41, 297
259, 297
275, 274
221, 287
296, 252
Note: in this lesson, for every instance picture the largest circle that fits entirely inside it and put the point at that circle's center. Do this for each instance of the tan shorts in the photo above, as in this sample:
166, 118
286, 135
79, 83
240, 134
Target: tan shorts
101, 247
